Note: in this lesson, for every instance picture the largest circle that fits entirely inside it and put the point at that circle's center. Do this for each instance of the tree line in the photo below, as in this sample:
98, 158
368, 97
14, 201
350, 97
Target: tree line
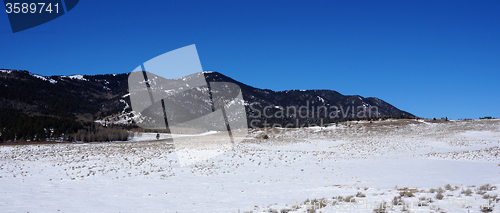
15, 125
97, 133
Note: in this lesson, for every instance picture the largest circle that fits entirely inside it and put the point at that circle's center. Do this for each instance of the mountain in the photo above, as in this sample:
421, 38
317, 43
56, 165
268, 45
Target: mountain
76, 97
312, 106
105, 99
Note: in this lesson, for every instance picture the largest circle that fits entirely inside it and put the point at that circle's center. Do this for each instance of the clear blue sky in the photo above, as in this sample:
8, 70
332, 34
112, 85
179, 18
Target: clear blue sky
430, 58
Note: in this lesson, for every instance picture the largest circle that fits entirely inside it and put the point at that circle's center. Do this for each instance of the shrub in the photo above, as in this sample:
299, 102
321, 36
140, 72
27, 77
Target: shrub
397, 201
486, 208
349, 198
467, 192
318, 204
439, 196
487, 187
494, 197
311, 210
448, 187
431, 190
406, 194
440, 190
479, 192
381, 208
359, 194
484, 187
422, 201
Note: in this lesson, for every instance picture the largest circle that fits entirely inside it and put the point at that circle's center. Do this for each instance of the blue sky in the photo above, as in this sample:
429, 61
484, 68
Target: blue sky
430, 58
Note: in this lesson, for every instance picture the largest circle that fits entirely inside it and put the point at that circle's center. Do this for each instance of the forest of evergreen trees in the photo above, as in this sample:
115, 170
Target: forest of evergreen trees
16, 126
269, 122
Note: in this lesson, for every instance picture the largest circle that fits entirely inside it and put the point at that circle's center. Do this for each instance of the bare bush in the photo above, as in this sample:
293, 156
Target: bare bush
486, 208
467, 192
359, 194
439, 196
101, 134
350, 198
440, 190
397, 200
382, 208
487, 187
448, 187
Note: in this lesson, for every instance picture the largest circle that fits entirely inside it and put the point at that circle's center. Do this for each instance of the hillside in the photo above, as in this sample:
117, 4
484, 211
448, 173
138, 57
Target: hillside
104, 98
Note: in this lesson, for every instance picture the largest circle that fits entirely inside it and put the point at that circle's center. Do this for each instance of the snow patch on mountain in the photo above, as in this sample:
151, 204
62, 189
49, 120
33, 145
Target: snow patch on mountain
76, 77
52, 81
126, 105
125, 118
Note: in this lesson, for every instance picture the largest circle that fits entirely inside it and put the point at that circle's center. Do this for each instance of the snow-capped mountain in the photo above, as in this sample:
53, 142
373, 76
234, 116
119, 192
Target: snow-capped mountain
105, 99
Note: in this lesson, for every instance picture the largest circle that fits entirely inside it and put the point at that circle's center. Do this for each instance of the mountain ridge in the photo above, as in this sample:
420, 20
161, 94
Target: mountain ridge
104, 96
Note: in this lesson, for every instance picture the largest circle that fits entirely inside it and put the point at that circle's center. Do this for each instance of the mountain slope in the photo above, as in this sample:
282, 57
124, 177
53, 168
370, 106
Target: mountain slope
105, 97
332, 106
83, 97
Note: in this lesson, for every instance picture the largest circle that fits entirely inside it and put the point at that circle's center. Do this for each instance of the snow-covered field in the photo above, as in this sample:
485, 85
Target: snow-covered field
405, 161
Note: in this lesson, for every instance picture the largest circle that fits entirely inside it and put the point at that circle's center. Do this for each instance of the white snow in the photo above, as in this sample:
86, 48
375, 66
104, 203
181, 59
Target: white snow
77, 77
123, 118
145, 136
126, 105
52, 81
379, 159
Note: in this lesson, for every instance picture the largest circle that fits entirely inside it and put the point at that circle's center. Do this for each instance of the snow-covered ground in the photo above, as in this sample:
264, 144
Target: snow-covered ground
380, 161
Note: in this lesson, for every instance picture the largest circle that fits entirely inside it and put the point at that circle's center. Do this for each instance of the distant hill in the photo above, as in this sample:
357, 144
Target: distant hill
323, 100
104, 98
